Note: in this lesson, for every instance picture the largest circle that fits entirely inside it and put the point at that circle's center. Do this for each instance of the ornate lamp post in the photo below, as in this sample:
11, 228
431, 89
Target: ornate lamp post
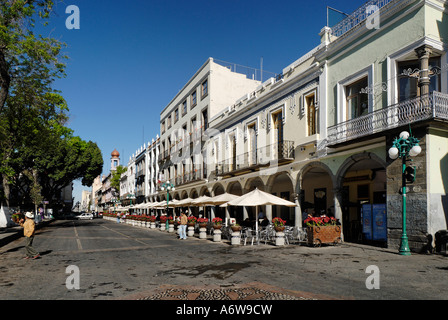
116, 201
403, 147
168, 187
131, 197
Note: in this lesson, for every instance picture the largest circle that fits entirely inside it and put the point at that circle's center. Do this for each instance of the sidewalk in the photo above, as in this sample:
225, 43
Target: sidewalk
10, 234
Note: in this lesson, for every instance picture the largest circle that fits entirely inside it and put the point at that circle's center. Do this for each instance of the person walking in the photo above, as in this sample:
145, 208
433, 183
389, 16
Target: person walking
29, 228
183, 226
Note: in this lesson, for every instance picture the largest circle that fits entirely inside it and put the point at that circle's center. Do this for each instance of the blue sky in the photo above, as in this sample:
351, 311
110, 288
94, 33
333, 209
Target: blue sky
130, 58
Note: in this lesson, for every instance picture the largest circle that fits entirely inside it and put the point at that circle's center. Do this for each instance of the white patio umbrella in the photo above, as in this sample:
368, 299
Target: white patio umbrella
200, 201
221, 199
259, 198
184, 203
173, 203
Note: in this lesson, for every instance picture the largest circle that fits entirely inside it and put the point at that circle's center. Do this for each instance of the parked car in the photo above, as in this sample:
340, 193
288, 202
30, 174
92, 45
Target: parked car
85, 216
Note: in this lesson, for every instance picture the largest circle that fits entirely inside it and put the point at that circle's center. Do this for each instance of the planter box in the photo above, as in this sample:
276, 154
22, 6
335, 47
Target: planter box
324, 235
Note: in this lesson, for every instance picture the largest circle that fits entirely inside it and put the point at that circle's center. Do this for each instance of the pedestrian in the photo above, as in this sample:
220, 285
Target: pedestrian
29, 228
183, 226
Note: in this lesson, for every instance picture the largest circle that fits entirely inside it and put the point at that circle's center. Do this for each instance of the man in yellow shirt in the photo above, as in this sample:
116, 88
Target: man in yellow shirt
29, 228
183, 226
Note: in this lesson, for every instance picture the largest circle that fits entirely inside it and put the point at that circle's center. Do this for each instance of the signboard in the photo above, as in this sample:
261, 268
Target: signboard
367, 221
374, 222
379, 218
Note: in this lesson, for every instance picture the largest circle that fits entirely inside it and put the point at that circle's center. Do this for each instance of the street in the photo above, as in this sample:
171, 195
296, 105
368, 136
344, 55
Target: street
118, 261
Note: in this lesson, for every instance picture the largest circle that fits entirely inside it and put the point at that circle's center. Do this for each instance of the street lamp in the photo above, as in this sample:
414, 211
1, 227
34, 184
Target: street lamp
130, 196
403, 147
168, 187
116, 201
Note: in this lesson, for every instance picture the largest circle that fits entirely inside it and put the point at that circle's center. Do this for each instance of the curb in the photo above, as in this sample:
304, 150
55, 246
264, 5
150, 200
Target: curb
17, 234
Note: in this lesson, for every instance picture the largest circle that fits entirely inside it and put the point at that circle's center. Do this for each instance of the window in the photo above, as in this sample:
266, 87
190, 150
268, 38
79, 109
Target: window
163, 127
205, 119
184, 108
204, 89
193, 99
277, 119
357, 99
176, 115
408, 75
252, 143
169, 122
310, 102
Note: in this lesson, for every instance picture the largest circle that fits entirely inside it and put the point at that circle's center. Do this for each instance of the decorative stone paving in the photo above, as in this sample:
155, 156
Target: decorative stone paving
249, 291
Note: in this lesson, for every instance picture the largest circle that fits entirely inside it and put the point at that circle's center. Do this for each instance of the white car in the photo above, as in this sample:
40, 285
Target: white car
85, 216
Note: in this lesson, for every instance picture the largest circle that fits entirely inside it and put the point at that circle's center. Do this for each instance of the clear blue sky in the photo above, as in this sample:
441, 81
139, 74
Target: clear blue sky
130, 58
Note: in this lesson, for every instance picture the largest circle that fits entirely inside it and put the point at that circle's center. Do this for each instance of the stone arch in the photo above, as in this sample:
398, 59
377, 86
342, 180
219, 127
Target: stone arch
184, 194
253, 183
272, 178
218, 189
194, 193
204, 191
235, 188
354, 159
308, 167
361, 179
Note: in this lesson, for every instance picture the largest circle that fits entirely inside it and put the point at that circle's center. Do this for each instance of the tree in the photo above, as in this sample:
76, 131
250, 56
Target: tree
116, 177
24, 56
29, 64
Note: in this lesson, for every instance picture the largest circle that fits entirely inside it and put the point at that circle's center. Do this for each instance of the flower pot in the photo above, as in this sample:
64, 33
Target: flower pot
202, 225
217, 235
202, 232
217, 226
190, 231
323, 235
236, 228
280, 229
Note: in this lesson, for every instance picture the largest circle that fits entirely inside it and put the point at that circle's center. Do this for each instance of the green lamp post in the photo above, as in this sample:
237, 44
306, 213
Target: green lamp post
168, 187
116, 201
130, 196
404, 147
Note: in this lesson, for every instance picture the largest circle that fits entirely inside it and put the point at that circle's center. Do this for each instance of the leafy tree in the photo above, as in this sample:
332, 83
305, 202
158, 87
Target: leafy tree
116, 177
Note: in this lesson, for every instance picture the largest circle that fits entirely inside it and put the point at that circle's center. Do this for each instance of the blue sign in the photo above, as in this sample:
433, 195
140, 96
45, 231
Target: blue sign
367, 221
379, 226
374, 222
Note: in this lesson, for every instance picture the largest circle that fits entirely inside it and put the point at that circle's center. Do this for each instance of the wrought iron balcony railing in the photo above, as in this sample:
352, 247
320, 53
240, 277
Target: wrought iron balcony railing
281, 151
432, 106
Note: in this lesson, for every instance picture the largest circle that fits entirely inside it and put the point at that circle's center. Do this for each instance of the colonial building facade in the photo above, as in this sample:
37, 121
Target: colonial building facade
319, 133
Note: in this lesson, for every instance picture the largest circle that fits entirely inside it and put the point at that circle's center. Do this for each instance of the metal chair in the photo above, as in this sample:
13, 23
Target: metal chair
267, 234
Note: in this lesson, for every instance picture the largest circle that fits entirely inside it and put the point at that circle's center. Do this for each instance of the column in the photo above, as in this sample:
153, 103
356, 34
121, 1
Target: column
338, 208
269, 212
298, 211
424, 53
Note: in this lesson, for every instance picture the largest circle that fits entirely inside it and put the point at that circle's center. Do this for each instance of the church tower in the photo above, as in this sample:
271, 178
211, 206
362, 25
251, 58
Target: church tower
114, 160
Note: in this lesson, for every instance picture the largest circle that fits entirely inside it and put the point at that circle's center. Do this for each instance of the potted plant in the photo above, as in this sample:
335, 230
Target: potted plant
170, 220
217, 223
191, 221
322, 230
202, 222
236, 227
279, 224
152, 221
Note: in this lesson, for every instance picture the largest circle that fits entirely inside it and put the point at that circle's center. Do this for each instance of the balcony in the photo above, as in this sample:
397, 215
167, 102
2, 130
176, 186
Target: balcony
279, 153
429, 107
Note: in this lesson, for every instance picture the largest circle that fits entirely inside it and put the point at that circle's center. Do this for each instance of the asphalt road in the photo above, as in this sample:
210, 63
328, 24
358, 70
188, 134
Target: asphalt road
118, 261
